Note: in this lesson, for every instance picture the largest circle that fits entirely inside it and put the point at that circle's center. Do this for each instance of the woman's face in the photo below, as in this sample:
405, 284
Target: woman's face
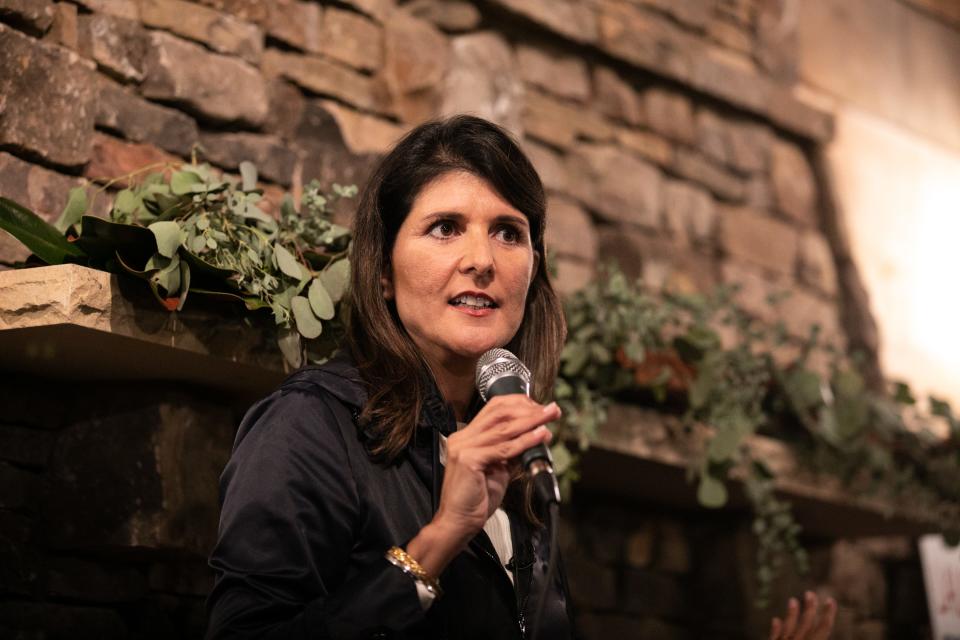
460, 269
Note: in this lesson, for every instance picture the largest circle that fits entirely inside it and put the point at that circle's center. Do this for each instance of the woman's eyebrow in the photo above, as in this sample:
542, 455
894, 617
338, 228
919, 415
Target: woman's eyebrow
444, 215
459, 217
514, 219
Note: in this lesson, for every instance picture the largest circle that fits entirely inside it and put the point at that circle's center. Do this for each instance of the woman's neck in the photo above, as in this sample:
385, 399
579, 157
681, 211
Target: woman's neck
455, 380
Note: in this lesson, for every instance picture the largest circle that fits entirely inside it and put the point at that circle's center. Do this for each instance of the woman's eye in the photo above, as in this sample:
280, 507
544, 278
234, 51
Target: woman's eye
443, 229
510, 235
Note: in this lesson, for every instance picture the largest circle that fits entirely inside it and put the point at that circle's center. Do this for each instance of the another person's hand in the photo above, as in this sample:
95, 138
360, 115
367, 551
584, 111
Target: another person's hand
480, 455
814, 623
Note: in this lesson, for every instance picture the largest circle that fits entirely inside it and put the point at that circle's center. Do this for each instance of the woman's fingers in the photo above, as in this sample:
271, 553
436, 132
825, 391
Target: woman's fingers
508, 418
503, 452
506, 421
513, 448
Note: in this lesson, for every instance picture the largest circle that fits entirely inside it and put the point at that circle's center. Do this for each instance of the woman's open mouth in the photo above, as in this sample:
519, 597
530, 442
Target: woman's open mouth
473, 304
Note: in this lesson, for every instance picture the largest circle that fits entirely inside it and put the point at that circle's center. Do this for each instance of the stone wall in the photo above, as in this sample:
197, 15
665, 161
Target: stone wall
667, 135
640, 572
108, 507
665, 132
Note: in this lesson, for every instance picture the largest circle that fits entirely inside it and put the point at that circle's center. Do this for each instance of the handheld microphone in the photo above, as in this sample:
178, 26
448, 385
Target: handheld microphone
499, 373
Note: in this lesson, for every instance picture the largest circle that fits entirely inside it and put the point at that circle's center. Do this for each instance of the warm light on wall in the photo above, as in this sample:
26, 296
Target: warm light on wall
935, 308
900, 196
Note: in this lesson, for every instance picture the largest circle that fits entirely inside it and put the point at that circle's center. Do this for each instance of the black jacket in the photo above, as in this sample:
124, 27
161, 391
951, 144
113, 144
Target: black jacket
306, 517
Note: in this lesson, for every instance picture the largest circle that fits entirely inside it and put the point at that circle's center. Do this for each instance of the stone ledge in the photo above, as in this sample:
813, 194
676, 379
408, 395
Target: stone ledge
642, 454
68, 321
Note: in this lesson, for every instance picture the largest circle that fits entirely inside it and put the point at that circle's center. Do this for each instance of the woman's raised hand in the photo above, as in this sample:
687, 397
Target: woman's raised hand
809, 625
480, 455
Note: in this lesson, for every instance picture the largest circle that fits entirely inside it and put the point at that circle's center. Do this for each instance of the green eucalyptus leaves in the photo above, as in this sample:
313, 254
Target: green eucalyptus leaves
190, 229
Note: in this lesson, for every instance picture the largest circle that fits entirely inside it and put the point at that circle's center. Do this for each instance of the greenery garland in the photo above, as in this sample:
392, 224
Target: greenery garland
189, 229
625, 344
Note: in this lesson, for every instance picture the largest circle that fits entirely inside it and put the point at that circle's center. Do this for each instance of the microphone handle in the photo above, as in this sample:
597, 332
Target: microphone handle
537, 461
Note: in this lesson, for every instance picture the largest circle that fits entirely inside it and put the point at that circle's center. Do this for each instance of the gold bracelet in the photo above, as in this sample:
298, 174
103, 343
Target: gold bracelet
405, 562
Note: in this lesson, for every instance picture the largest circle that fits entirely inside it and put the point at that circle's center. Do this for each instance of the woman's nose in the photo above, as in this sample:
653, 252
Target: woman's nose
477, 254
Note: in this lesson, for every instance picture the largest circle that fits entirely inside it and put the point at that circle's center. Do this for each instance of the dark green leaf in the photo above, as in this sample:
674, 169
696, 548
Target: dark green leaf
711, 492
307, 323
574, 357
287, 263
126, 202
286, 206
167, 206
76, 207
168, 235
336, 278
183, 182
37, 235
101, 238
562, 458
761, 469
634, 351
851, 408
168, 278
198, 244
902, 393
724, 444
254, 212
803, 389
700, 389
320, 300
848, 383
940, 408
291, 346
249, 174
697, 341
828, 425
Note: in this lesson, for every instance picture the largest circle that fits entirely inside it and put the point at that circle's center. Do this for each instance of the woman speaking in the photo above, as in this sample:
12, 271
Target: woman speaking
376, 496
373, 497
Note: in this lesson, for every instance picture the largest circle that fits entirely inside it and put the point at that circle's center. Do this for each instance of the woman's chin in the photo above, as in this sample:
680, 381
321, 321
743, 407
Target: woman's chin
473, 352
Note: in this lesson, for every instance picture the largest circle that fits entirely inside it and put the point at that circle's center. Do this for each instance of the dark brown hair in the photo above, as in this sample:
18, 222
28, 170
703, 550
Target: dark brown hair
388, 360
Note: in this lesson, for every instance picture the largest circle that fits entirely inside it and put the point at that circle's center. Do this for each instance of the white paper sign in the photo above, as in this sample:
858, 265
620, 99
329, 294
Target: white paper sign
941, 576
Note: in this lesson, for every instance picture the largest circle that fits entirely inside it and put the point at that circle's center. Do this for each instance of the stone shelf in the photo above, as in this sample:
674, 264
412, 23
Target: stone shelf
641, 456
72, 322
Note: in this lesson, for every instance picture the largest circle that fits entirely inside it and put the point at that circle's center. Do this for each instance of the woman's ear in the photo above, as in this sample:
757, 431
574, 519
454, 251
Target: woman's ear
386, 284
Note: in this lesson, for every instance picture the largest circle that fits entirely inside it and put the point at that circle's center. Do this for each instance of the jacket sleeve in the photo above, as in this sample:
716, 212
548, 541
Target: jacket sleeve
290, 516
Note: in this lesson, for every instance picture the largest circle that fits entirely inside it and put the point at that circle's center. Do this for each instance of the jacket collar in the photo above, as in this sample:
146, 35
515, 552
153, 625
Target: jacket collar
337, 376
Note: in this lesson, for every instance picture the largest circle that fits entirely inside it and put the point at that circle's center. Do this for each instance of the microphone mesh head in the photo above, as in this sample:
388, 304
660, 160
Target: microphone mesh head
496, 363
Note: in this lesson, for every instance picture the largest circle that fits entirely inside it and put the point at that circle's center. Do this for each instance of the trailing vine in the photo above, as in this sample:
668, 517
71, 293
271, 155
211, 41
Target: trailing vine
626, 344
